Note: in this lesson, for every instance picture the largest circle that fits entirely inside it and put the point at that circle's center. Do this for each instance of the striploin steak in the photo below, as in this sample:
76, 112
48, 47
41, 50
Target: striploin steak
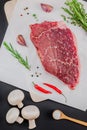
56, 47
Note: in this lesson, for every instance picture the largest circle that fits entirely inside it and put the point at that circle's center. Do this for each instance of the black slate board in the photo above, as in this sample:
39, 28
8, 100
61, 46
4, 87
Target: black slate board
45, 121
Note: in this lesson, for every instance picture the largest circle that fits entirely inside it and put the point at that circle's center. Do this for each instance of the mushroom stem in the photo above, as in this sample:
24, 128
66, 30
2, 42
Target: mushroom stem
20, 105
19, 120
32, 124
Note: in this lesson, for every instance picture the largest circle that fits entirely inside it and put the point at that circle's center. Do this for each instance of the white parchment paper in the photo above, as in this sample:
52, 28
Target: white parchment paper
12, 72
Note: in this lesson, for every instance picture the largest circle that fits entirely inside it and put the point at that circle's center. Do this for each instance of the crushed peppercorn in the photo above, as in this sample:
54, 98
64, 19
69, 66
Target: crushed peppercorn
27, 13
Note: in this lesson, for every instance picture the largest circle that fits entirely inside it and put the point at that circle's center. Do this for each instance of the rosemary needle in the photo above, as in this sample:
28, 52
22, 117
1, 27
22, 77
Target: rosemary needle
17, 55
76, 13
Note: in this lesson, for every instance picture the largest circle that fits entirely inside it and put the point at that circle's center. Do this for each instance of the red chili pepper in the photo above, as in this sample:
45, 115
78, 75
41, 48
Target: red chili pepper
41, 89
53, 87
56, 89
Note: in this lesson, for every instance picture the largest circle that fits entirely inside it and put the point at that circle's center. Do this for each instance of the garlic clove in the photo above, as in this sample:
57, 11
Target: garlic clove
21, 40
46, 7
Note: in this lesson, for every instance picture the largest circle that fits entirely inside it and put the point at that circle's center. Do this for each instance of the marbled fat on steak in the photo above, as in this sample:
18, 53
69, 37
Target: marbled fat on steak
56, 47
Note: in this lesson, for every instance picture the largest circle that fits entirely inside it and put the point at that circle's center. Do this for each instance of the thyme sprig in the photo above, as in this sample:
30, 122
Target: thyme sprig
17, 55
76, 12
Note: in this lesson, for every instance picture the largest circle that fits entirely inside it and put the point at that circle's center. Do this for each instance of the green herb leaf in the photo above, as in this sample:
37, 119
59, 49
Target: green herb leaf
17, 55
76, 12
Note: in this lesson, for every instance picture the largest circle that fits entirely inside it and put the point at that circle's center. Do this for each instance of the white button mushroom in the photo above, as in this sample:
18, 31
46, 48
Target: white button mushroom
12, 116
30, 113
16, 97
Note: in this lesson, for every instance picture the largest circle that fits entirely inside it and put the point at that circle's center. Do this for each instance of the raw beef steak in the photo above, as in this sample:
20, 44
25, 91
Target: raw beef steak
56, 47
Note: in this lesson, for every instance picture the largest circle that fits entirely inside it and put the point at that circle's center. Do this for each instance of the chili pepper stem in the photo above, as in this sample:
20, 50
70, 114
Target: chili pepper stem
64, 97
56, 89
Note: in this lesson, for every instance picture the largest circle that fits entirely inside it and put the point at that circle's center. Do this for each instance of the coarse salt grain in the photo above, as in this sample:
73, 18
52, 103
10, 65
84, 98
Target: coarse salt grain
56, 114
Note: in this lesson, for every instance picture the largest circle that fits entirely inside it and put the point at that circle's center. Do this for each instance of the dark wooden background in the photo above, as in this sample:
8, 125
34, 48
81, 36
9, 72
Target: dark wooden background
45, 121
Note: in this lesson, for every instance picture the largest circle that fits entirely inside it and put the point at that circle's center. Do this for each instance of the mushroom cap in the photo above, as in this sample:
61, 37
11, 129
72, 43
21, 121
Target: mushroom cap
12, 115
30, 112
15, 97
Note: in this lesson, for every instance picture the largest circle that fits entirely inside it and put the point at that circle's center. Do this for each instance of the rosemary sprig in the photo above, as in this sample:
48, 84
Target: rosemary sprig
76, 12
17, 55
